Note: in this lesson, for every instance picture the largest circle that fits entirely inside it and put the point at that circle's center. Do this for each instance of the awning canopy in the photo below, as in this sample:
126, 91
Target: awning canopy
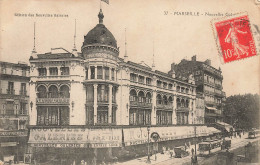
224, 125
211, 108
212, 130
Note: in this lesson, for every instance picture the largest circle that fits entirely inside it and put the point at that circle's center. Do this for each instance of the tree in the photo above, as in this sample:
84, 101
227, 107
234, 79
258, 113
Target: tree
242, 111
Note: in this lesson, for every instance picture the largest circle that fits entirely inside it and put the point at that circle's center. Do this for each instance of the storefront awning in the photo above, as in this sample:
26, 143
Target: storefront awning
212, 130
224, 125
211, 108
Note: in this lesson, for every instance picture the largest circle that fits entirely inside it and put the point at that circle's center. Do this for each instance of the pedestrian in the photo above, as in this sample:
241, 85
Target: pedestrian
171, 152
185, 146
192, 151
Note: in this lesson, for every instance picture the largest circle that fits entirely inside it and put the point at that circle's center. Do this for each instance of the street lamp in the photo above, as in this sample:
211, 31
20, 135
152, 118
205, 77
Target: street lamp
31, 105
148, 154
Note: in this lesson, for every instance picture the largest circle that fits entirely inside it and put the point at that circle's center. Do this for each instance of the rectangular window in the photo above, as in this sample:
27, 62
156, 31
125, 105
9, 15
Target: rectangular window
99, 72
53, 71
159, 83
141, 79
148, 81
113, 74
102, 117
9, 108
23, 72
10, 89
92, 69
65, 70
106, 73
89, 115
42, 71
23, 89
86, 73
23, 110
52, 116
170, 86
164, 85
133, 77
114, 115
132, 117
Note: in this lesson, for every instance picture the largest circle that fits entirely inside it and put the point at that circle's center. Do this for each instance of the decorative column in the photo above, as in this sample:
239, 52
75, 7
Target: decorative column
59, 71
104, 71
95, 103
153, 112
95, 72
110, 104
47, 71
89, 72
190, 111
174, 112
110, 74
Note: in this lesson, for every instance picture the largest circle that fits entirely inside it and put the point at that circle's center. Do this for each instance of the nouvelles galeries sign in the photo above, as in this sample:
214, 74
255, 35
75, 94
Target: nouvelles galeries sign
107, 137
75, 138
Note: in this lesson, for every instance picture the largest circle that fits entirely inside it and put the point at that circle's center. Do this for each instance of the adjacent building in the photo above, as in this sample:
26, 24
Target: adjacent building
209, 85
88, 105
14, 107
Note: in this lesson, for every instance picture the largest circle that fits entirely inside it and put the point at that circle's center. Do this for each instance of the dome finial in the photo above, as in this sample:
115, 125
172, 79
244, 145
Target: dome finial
100, 16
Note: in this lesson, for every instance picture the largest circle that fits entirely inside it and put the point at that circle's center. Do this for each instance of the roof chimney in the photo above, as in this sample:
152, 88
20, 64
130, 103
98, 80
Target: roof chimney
208, 62
193, 58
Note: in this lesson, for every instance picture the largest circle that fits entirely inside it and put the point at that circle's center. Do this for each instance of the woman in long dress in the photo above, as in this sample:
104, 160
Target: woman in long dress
232, 38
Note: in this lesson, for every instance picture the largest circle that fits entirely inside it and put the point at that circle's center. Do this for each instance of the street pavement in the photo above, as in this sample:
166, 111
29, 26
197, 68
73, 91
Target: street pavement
163, 159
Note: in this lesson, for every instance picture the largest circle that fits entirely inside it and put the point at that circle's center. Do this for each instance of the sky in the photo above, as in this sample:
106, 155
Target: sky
175, 37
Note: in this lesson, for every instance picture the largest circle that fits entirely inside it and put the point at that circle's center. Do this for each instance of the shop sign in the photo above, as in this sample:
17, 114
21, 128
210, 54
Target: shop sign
60, 145
8, 144
75, 138
56, 135
134, 136
13, 133
103, 138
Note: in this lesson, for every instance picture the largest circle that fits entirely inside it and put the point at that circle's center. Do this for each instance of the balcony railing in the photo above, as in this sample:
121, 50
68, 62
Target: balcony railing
210, 102
163, 106
140, 104
183, 109
10, 91
52, 101
23, 92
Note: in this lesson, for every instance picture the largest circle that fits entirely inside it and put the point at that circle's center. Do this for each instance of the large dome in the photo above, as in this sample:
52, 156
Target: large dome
100, 34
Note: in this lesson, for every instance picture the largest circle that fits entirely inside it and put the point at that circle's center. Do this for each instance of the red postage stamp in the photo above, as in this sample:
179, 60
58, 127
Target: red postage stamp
235, 38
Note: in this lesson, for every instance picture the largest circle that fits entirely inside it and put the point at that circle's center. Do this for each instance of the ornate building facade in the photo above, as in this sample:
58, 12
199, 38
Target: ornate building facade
105, 101
209, 84
14, 106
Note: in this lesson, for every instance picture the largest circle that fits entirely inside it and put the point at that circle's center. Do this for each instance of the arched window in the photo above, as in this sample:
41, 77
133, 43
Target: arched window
182, 103
187, 90
170, 100
165, 100
53, 91
159, 99
148, 97
141, 97
64, 91
187, 104
42, 92
178, 88
178, 103
133, 95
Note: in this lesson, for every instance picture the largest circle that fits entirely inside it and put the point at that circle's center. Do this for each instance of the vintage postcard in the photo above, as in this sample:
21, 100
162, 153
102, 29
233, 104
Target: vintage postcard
129, 82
